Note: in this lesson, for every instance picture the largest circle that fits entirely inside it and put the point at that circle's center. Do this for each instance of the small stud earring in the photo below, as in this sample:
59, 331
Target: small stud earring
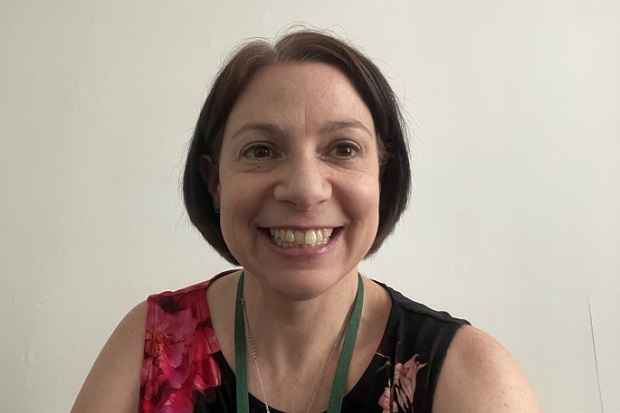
216, 207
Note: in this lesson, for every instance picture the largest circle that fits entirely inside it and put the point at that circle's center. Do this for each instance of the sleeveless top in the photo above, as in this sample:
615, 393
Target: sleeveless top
184, 371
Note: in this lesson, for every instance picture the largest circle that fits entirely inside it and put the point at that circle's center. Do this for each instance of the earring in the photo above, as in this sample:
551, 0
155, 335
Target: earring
216, 207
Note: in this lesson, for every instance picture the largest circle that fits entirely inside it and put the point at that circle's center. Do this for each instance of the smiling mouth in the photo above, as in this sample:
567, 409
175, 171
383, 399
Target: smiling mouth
294, 238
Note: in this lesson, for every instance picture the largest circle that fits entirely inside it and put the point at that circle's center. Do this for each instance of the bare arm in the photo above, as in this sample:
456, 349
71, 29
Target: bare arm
113, 384
480, 376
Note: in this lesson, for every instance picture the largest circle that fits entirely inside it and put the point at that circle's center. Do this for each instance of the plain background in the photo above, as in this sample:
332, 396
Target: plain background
514, 109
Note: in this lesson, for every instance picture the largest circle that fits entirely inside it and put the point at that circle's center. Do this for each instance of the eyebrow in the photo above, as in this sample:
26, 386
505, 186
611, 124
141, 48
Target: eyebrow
337, 125
275, 129
268, 127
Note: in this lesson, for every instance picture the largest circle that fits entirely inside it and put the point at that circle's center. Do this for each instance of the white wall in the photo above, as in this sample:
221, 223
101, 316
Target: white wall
515, 220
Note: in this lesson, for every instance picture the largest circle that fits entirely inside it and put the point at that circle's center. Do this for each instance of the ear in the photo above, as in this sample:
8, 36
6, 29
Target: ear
210, 174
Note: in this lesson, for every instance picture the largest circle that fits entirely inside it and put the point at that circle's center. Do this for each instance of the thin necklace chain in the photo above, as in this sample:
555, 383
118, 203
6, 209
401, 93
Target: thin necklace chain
255, 358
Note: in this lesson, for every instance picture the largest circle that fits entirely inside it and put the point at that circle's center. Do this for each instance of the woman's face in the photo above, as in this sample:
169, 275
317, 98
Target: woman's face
298, 179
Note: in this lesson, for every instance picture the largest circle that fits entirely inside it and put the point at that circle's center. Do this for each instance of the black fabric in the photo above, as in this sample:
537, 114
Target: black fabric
414, 336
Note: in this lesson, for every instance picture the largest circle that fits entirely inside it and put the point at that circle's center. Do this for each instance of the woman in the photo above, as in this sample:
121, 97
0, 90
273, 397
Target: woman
298, 170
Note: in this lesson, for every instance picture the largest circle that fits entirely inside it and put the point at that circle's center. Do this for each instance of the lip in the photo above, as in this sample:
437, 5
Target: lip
299, 227
301, 253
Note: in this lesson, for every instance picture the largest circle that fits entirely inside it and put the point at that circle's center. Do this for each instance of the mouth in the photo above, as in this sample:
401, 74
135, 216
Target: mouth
295, 238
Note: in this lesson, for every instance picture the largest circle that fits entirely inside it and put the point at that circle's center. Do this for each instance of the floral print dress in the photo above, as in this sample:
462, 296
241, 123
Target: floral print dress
184, 371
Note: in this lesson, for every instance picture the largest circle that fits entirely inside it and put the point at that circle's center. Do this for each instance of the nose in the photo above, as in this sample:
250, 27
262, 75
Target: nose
303, 182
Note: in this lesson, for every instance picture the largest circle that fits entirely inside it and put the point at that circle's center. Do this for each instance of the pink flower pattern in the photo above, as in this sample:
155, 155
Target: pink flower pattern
399, 394
178, 352
180, 371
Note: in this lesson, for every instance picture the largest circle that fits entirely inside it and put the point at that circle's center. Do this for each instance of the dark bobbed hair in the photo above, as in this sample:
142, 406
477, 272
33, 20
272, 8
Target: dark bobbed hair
298, 47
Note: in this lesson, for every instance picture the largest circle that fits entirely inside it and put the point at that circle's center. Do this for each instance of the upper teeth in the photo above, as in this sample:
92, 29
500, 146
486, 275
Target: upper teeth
289, 237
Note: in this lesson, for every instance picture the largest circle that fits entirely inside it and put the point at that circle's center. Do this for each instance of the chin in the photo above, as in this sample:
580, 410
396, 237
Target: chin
302, 285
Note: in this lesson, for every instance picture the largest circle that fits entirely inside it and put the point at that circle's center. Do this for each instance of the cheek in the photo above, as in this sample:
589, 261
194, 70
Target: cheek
234, 203
373, 197
364, 200
241, 199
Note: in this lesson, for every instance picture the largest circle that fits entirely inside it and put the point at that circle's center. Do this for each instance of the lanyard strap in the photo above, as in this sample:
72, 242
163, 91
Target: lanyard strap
344, 361
241, 373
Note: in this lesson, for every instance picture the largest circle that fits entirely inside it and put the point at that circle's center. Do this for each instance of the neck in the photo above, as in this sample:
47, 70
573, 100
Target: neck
301, 360
292, 331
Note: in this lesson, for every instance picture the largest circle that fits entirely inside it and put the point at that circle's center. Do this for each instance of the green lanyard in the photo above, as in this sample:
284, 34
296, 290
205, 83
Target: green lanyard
344, 361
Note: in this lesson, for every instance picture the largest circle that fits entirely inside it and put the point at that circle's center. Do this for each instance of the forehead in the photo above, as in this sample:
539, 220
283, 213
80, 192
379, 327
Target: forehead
288, 92
312, 77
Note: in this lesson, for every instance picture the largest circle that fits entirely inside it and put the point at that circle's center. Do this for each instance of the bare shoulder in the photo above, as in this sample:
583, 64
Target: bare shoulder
113, 384
479, 375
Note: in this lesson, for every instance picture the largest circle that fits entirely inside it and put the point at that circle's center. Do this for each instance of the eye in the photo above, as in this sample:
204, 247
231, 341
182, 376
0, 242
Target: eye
258, 151
345, 150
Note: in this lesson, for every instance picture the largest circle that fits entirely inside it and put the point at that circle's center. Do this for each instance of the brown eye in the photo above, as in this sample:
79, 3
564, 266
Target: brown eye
345, 150
258, 152
261, 152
